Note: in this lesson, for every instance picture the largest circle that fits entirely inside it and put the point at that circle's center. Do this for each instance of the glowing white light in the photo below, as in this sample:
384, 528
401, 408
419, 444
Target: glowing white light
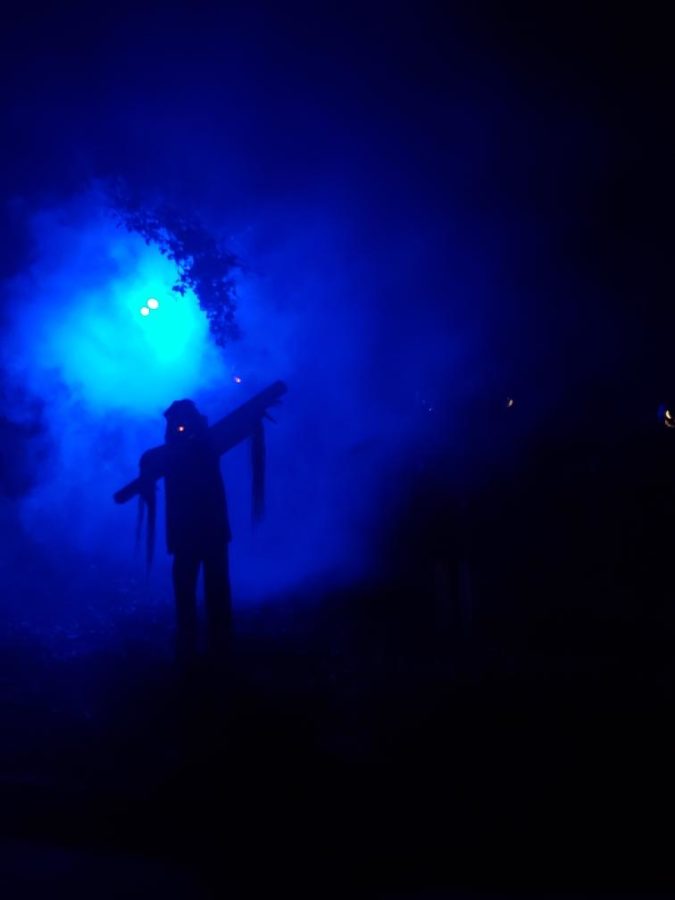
181, 427
668, 419
509, 402
668, 414
237, 379
145, 311
153, 304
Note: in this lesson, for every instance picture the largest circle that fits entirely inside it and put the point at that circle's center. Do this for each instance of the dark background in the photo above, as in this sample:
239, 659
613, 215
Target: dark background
490, 709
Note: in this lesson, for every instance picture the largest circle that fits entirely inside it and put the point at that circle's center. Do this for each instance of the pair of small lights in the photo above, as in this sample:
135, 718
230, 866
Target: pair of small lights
668, 419
150, 305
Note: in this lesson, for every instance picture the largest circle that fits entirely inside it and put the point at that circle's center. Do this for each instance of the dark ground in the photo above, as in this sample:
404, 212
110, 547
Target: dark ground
341, 758
493, 719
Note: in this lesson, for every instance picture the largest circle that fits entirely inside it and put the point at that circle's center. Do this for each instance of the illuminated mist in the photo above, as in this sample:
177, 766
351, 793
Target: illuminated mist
411, 256
79, 344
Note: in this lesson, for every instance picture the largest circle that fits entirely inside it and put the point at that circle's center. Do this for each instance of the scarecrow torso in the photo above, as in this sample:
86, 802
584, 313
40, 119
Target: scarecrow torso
196, 507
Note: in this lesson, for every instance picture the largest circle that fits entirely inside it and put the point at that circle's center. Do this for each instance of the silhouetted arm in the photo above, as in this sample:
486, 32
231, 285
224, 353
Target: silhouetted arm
152, 466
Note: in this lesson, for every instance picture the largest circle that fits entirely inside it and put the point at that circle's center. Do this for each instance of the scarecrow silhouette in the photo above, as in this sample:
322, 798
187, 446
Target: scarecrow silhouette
197, 525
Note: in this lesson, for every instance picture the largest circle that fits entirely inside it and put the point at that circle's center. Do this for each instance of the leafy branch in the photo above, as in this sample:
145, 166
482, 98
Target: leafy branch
204, 266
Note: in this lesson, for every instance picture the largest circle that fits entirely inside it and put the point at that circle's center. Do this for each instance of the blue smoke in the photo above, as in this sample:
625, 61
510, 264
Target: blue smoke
388, 334
77, 314
104, 373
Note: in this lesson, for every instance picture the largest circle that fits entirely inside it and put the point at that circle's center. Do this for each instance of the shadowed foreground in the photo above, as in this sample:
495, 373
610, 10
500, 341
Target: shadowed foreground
339, 757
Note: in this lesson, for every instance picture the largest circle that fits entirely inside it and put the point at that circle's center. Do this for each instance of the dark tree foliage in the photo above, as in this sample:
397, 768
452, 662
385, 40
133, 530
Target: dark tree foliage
204, 266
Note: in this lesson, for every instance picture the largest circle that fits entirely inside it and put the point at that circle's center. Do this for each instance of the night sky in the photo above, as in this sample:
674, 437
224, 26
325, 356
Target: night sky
522, 150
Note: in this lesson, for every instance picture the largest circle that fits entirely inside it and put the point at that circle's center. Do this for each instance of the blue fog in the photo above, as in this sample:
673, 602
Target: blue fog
313, 311
415, 221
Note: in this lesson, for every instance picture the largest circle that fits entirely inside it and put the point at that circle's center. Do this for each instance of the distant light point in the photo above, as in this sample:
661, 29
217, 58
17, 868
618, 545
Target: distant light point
145, 311
153, 304
237, 379
509, 402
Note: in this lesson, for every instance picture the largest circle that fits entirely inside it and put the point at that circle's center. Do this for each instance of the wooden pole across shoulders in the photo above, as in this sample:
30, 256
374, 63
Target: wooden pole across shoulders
225, 434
